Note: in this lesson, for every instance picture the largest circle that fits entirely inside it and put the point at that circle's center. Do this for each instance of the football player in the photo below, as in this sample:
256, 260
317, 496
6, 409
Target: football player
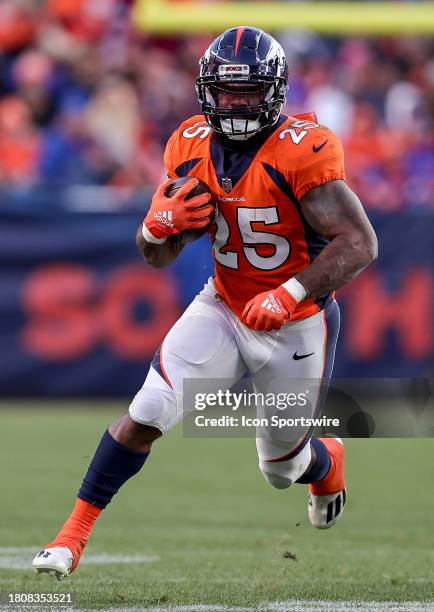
287, 232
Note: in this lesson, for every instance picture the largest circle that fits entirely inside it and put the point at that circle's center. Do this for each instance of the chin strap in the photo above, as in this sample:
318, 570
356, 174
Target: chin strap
242, 135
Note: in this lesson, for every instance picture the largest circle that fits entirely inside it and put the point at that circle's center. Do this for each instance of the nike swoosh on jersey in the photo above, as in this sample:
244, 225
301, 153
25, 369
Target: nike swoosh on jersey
297, 357
317, 149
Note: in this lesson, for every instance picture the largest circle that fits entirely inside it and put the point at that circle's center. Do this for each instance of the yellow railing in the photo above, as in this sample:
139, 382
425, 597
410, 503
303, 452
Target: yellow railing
372, 18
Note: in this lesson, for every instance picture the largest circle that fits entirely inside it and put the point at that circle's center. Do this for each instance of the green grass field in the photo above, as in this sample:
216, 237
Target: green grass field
215, 532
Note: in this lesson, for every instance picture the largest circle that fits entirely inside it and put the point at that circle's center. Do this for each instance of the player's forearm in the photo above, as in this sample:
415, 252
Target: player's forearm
158, 255
341, 260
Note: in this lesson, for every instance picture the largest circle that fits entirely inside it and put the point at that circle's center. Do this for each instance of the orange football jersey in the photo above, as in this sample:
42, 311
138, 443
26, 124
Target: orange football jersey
260, 238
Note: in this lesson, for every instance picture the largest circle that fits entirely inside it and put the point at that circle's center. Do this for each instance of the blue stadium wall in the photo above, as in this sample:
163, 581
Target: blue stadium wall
81, 314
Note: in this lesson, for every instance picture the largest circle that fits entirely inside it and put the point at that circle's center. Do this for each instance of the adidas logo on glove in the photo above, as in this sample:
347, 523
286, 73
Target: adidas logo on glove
271, 303
164, 216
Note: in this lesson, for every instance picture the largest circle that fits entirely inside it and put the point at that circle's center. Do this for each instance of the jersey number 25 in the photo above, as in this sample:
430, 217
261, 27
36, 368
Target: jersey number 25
251, 239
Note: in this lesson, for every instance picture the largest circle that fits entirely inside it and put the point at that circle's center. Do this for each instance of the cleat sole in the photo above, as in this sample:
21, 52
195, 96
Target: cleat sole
51, 572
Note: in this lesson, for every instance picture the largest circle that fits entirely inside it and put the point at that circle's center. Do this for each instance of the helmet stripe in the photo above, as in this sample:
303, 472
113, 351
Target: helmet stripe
240, 32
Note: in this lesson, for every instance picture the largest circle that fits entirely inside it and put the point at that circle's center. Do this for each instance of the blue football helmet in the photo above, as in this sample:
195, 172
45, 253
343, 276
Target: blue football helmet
242, 82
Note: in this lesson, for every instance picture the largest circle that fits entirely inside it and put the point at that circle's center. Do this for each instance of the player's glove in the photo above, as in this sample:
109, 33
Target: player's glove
170, 216
272, 309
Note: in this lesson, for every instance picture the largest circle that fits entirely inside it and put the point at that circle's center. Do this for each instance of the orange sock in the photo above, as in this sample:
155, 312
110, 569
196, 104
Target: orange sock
335, 479
76, 531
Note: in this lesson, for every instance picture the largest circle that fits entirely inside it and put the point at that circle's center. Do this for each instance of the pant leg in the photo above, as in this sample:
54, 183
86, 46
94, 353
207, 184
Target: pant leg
298, 357
201, 344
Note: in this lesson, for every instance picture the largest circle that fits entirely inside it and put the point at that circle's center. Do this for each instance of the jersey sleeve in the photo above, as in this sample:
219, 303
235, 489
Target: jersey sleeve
321, 161
168, 156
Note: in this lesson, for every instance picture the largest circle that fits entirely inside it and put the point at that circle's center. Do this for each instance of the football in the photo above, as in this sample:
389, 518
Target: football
192, 234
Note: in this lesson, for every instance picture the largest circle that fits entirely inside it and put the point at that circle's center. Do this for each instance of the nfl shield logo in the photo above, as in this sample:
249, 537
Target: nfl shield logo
227, 184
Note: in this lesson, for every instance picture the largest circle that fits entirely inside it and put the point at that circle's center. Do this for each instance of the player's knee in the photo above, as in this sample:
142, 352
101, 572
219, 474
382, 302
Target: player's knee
276, 480
156, 412
281, 474
155, 404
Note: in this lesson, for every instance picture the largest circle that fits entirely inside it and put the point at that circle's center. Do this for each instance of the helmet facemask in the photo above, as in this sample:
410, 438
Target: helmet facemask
238, 108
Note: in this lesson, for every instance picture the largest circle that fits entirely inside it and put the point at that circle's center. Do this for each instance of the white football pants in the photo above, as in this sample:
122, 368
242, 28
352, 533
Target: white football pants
210, 342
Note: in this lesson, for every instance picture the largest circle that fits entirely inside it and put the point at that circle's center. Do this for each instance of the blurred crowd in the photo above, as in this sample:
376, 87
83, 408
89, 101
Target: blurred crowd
88, 100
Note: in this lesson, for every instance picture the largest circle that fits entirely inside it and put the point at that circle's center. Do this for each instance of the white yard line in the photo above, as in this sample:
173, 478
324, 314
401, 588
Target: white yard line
106, 559
296, 605
20, 558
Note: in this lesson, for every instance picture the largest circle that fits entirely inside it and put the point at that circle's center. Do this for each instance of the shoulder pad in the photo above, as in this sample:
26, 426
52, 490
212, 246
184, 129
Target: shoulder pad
194, 127
298, 131
189, 141
309, 153
297, 139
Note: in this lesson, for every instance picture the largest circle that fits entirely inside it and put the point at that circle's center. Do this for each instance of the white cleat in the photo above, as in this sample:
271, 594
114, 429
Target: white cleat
56, 561
325, 510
